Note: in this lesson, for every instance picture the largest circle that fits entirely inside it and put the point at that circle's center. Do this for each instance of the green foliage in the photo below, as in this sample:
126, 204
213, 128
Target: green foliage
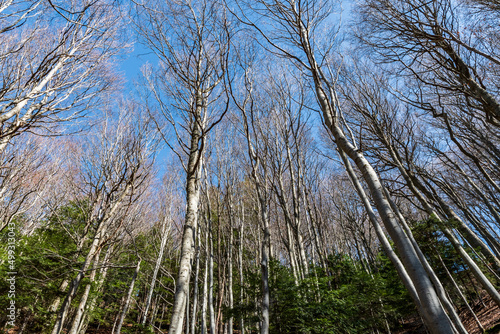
43, 260
347, 300
438, 250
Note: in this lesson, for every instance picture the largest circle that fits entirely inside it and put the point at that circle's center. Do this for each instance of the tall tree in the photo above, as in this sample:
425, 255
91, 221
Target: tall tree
54, 62
297, 26
192, 44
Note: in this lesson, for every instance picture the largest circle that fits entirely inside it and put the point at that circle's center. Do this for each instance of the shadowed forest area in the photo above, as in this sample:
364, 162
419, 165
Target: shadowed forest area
249, 166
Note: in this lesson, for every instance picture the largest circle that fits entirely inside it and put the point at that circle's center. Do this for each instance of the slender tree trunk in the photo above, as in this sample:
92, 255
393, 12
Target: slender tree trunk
63, 313
265, 267
55, 304
165, 233
386, 246
211, 311
100, 285
240, 266
187, 311
205, 285
195, 293
187, 249
83, 301
432, 310
457, 288
292, 253
230, 266
437, 284
129, 297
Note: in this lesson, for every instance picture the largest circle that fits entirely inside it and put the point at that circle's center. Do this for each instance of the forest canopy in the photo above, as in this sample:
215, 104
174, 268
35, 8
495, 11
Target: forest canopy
250, 166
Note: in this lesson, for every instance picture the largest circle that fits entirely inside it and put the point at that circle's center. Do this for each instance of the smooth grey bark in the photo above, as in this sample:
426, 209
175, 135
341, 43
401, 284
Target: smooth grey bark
194, 167
129, 297
292, 254
211, 311
265, 269
240, 263
83, 301
437, 283
230, 265
164, 236
432, 311
196, 275
386, 246
187, 327
205, 286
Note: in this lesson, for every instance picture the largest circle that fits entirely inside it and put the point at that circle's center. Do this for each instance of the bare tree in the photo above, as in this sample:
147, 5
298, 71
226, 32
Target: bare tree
255, 115
297, 34
26, 171
192, 44
113, 170
53, 67
430, 42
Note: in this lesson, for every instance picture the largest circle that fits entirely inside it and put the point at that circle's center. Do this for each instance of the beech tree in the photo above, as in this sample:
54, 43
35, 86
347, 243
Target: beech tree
430, 42
187, 90
27, 169
54, 62
295, 37
114, 169
264, 176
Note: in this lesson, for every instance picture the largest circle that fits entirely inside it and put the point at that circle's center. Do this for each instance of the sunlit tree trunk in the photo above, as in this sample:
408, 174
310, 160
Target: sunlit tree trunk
190, 225
127, 301
197, 272
240, 263
205, 284
164, 236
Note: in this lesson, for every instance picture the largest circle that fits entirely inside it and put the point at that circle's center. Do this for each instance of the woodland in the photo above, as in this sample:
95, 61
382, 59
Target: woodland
249, 166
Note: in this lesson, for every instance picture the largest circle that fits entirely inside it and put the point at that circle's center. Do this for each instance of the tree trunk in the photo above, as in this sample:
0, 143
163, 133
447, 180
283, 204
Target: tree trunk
164, 237
129, 297
195, 293
191, 220
386, 246
83, 301
230, 265
265, 267
205, 286
432, 311
63, 313
437, 284
240, 266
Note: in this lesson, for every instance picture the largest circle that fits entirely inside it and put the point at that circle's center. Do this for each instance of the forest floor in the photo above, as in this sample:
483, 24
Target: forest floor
487, 312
